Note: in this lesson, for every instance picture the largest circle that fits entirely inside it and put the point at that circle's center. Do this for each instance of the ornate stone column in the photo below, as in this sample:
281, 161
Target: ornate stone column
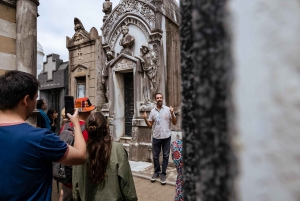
26, 42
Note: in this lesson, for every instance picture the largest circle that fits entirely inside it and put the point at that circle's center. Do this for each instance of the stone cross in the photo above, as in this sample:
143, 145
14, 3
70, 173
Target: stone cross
49, 67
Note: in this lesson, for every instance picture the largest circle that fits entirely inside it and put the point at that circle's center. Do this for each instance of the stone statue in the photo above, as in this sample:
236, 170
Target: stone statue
107, 7
127, 41
148, 60
78, 25
80, 32
109, 59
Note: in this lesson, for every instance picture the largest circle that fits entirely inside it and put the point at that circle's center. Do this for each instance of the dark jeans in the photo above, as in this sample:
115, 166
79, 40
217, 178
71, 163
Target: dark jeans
157, 145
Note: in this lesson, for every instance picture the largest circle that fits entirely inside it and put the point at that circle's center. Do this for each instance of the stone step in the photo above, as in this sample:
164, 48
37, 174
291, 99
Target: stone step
125, 140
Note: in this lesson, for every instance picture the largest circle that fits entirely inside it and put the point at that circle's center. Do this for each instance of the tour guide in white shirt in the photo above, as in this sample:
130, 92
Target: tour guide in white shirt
160, 117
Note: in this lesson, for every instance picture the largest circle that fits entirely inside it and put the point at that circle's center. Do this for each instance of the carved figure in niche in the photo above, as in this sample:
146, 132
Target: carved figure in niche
107, 7
127, 41
109, 59
148, 60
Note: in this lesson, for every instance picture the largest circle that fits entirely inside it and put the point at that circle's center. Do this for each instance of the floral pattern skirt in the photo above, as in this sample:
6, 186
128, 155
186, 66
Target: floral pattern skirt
176, 149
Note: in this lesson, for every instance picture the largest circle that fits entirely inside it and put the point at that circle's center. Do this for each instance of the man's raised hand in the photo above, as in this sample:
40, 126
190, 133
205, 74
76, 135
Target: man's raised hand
171, 110
145, 115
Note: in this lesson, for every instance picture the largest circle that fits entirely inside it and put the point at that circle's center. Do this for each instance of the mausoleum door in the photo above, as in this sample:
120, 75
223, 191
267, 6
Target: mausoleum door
129, 102
54, 99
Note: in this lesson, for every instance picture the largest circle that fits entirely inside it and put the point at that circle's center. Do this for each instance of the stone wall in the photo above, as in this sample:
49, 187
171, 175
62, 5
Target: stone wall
241, 100
265, 45
173, 81
7, 36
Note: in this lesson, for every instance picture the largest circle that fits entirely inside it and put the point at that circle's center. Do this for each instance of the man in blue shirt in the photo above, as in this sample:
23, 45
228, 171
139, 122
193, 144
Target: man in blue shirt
26, 152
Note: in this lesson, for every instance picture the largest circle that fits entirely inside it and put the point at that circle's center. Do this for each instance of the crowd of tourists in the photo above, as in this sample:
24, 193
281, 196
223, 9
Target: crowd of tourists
79, 152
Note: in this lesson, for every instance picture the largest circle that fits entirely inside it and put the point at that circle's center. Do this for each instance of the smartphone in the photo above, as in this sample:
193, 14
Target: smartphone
69, 105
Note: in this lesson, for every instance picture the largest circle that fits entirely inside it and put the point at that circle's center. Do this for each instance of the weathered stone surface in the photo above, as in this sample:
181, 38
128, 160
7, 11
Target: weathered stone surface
7, 13
26, 36
173, 91
8, 61
7, 45
205, 65
8, 29
266, 98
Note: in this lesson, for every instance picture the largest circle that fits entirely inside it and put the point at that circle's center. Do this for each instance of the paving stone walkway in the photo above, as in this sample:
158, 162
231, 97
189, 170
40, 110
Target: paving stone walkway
146, 190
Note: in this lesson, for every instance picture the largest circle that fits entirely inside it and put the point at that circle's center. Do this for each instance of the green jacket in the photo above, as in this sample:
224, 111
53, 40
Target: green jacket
118, 185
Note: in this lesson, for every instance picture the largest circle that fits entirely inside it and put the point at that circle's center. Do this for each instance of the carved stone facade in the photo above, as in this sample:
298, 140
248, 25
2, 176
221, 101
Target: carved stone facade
140, 67
86, 63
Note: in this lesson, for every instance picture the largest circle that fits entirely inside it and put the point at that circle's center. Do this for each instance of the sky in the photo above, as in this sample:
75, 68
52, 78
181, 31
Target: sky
56, 21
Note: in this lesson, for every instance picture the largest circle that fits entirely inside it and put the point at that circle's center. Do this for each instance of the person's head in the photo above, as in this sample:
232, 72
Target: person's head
17, 86
159, 99
109, 55
63, 113
85, 107
52, 114
98, 146
41, 104
125, 29
145, 48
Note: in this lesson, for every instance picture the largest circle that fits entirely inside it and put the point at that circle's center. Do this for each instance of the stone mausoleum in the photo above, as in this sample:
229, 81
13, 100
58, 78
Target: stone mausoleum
137, 55
53, 83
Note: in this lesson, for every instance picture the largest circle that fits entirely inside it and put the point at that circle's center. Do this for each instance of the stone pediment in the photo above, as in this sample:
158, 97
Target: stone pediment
81, 35
79, 67
124, 62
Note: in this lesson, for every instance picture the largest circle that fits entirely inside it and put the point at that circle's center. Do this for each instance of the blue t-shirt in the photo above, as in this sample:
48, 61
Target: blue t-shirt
26, 155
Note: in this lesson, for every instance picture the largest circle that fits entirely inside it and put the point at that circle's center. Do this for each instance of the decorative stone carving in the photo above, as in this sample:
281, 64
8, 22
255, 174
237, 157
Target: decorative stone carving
109, 59
149, 61
107, 7
138, 8
80, 33
123, 65
128, 20
79, 70
127, 41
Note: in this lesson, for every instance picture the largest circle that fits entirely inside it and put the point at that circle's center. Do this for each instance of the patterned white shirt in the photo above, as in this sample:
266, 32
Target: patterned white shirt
161, 122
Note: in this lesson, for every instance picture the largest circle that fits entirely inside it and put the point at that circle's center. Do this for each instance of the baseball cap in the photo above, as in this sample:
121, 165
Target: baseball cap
84, 105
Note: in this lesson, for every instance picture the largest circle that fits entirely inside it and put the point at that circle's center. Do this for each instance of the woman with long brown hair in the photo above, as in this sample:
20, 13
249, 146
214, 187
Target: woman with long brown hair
106, 175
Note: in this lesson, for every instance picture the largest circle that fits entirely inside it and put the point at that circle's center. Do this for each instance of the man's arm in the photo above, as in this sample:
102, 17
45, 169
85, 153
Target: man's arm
77, 153
174, 120
149, 123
